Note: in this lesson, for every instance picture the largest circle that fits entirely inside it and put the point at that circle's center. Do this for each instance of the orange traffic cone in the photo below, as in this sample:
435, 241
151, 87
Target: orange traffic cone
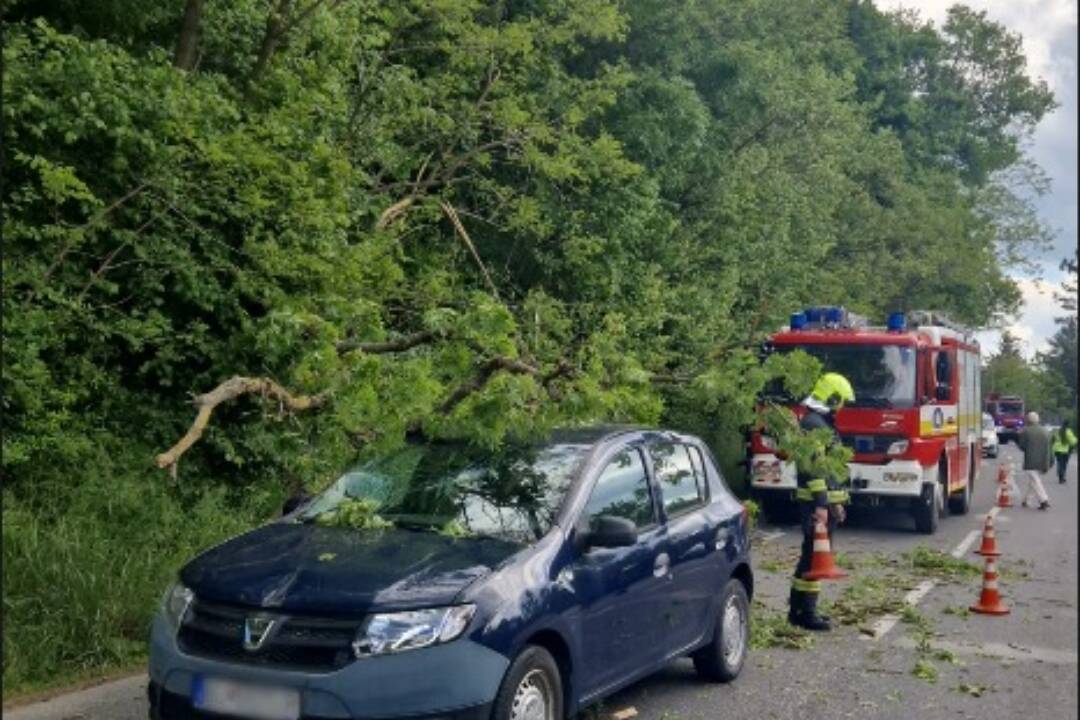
1002, 474
989, 540
990, 601
1003, 499
822, 566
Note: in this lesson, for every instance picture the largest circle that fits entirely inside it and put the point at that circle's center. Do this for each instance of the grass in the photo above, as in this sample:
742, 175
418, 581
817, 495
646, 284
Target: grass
772, 630
81, 587
939, 565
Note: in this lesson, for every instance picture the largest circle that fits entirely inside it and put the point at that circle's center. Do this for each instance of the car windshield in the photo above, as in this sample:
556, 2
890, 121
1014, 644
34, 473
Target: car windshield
880, 375
1011, 408
512, 494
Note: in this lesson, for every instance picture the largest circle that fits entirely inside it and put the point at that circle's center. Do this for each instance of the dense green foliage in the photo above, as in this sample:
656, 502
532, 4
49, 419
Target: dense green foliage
459, 217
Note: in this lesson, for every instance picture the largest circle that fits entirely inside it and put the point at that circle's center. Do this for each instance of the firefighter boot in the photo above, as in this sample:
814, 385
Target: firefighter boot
795, 607
810, 618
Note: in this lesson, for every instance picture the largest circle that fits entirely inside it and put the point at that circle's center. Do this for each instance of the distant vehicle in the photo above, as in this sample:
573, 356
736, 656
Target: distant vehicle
914, 426
445, 581
989, 436
1008, 414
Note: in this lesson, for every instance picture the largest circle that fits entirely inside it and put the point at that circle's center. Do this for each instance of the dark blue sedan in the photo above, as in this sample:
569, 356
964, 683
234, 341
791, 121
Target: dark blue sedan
446, 581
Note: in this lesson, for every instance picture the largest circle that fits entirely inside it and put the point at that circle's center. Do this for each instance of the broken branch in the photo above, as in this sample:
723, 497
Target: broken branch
230, 390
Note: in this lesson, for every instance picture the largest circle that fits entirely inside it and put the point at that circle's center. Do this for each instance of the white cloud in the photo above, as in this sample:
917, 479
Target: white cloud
1035, 325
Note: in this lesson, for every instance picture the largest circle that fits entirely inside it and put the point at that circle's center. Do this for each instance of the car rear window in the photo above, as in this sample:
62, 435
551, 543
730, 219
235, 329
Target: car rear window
679, 484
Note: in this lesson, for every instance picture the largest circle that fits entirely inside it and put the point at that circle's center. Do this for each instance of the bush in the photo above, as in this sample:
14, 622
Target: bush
81, 587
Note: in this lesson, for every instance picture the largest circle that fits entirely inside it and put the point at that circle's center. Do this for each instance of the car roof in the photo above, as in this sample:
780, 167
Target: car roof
591, 434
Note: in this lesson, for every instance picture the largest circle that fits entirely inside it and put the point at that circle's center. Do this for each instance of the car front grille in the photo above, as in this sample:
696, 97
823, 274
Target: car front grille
311, 644
869, 444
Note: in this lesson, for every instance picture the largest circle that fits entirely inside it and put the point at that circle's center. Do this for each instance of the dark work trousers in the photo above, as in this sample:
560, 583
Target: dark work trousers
1062, 465
804, 593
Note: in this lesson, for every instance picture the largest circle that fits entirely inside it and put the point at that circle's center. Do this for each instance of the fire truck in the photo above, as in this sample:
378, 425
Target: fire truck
915, 425
1008, 414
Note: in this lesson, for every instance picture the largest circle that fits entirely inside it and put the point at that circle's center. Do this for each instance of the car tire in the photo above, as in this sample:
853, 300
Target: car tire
925, 511
532, 682
723, 658
960, 503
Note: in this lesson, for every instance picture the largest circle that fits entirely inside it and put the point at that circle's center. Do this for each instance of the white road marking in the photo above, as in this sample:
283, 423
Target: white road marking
888, 622
1001, 650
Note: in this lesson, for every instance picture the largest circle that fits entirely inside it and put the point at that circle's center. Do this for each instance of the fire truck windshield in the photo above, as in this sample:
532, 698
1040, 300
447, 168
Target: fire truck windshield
881, 375
1011, 408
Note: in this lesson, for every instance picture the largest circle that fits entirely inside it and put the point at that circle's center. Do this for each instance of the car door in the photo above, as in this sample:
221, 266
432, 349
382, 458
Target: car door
693, 534
621, 590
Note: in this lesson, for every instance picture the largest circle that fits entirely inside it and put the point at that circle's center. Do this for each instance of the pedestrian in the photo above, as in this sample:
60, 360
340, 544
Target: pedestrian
1034, 440
1064, 444
820, 499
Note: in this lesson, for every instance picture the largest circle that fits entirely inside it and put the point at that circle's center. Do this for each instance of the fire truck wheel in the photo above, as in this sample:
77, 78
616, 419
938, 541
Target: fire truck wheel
927, 508
960, 503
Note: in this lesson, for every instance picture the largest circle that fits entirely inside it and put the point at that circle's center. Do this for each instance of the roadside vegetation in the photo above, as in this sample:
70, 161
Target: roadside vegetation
326, 225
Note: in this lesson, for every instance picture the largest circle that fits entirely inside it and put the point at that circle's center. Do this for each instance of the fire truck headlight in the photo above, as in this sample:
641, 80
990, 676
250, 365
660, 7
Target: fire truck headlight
768, 442
898, 448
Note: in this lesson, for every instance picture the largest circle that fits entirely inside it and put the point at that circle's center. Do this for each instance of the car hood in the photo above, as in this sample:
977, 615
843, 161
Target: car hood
307, 568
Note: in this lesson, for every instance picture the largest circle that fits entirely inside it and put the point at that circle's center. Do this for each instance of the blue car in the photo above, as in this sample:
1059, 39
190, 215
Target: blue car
451, 582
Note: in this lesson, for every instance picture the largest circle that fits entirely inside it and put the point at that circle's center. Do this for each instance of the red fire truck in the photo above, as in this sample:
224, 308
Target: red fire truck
915, 425
1008, 414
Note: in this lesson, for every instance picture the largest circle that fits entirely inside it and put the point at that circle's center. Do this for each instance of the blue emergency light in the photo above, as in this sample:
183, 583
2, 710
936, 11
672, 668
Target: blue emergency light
896, 322
798, 321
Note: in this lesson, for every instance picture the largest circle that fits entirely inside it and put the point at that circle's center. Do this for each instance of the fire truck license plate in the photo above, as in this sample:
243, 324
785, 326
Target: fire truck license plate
259, 702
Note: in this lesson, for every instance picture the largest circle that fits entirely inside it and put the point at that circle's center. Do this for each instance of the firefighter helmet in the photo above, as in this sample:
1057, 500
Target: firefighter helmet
833, 390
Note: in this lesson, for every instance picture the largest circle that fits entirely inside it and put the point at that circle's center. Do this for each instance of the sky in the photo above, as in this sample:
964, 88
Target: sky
1049, 30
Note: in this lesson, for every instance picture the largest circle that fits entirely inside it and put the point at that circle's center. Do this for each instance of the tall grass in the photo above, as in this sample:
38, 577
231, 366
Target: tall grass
81, 586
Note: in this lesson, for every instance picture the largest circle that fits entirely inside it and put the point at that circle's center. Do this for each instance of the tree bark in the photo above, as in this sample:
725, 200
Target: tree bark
188, 41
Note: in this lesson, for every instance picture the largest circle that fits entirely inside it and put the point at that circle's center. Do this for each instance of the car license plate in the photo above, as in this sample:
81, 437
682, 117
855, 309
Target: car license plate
258, 702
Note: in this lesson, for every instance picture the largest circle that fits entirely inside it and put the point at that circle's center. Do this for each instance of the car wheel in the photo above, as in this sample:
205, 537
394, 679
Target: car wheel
531, 689
723, 658
960, 503
926, 509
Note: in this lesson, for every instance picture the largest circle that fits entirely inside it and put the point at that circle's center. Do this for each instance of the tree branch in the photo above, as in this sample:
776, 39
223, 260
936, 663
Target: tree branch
390, 346
230, 390
456, 221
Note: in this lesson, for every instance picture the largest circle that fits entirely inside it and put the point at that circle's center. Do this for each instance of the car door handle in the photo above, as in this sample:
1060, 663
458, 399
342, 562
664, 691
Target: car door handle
662, 565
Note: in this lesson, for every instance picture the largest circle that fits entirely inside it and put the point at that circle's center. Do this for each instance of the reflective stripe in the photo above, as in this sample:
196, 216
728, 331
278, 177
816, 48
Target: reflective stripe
838, 497
806, 586
803, 494
817, 485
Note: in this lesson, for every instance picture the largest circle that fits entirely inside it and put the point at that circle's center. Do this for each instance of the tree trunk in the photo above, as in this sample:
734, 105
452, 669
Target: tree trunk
276, 26
188, 41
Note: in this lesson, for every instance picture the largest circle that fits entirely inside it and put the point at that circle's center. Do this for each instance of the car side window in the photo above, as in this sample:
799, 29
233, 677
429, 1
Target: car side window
622, 490
675, 475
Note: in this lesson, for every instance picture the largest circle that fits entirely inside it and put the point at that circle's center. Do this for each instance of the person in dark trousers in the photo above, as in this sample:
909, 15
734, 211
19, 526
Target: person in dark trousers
1064, 444
821, 499
1034, 440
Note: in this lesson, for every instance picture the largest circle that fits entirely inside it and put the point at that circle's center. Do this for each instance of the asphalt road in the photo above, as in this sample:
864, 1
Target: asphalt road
1022, 664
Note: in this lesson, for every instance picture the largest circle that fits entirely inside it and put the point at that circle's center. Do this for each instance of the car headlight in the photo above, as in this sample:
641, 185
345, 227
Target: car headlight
175, 604
897, 448
395, 632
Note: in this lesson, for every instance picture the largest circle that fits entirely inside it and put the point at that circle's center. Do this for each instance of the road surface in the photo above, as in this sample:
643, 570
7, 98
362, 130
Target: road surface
981, 667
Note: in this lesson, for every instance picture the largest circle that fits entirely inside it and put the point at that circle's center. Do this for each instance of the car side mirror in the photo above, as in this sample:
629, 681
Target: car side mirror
942, 392
610, 531
294, 502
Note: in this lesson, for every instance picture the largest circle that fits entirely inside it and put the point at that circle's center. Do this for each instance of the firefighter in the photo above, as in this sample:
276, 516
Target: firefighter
819, 498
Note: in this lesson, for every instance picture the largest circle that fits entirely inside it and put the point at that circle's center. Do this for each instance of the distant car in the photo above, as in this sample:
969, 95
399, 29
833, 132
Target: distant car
989, 436
446, 581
